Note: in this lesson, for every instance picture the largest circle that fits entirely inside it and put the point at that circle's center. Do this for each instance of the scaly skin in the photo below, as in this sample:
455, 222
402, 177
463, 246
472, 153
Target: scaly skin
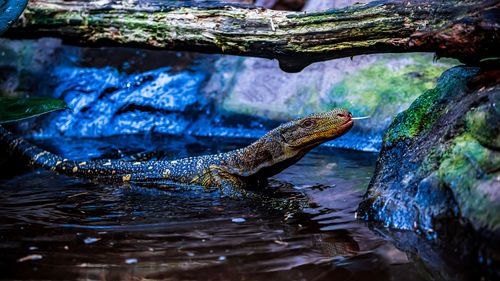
232, 171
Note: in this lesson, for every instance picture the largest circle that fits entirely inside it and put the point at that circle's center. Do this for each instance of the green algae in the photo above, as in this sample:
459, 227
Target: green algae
428, 107
466, 170
446, 144
484, 125
469, 163
416, 119
431, 161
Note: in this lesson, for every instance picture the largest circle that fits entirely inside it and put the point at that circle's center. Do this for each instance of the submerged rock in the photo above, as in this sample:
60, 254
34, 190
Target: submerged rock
440, 162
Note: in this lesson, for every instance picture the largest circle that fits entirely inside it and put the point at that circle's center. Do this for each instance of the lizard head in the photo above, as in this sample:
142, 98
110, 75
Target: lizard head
315, 129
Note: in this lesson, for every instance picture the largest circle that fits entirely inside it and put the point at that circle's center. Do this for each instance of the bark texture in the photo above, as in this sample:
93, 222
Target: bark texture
466, 30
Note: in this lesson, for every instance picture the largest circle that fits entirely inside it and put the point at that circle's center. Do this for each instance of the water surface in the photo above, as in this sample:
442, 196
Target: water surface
68, 228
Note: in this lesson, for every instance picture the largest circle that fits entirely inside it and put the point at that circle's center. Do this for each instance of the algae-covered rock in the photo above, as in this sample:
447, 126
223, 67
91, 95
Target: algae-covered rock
440, 161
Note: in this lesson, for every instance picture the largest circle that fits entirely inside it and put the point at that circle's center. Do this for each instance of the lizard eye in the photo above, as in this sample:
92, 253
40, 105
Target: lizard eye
308, 123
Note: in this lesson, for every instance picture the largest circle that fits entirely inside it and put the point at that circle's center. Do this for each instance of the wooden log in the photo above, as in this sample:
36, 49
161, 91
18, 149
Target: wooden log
466, 30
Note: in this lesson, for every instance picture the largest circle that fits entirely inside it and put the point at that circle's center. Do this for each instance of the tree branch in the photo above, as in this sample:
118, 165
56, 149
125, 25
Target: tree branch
466, 30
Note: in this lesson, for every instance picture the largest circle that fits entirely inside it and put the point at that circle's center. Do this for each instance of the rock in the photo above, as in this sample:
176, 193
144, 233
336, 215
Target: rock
379, 86
206, 95
439, 167
110, 96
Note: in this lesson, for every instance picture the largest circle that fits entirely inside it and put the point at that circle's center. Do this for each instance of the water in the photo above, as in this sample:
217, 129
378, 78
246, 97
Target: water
68, 228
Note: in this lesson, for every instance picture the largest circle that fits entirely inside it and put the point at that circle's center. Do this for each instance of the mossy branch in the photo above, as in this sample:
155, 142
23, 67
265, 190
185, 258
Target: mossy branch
466, 30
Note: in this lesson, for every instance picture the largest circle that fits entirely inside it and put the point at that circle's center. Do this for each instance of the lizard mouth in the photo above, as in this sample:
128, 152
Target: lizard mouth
346, 127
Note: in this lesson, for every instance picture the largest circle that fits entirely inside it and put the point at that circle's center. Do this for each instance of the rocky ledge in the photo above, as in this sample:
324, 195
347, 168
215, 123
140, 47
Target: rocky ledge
439, 168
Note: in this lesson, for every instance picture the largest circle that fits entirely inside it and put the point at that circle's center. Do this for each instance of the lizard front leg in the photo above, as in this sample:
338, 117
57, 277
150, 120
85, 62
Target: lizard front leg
230, 185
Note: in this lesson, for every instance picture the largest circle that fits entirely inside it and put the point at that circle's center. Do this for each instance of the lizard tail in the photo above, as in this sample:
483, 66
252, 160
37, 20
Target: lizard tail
29, 153
106, 170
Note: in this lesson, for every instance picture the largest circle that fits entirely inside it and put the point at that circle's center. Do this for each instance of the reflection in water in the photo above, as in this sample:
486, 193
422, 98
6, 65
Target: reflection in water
83, 230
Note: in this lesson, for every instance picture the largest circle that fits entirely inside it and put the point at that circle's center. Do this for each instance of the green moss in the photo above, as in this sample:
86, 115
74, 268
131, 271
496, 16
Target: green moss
467, 164
484, 124
417, 118
422, 113
468, 170
431, 161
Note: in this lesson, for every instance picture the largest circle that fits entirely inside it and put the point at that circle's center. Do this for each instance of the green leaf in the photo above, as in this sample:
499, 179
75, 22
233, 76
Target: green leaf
13, 109
489, 59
